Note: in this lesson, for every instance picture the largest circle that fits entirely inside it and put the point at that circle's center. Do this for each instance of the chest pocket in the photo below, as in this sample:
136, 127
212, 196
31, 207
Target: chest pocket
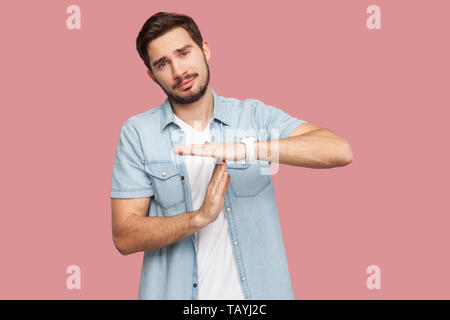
166, 181
246, 179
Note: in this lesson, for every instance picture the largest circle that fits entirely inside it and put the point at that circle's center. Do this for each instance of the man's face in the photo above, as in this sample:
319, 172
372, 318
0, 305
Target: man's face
175, 60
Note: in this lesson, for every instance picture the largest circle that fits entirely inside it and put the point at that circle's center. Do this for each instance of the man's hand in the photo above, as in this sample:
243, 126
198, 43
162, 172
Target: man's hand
215, 195
232, 151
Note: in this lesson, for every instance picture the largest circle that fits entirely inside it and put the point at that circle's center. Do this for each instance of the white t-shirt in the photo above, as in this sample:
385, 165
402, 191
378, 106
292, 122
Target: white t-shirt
218, 277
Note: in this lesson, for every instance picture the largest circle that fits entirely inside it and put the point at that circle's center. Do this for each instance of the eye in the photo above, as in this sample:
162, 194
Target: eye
161, 65
187, 52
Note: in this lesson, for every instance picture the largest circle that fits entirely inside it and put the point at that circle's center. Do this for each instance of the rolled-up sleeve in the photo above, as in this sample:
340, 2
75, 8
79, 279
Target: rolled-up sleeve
278, 123
129, 179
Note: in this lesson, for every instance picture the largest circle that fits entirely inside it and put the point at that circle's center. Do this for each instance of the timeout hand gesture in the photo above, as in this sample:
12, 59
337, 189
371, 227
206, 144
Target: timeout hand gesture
232, 151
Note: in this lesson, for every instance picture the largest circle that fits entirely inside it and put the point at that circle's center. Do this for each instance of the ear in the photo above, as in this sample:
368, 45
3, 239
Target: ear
206, 50
151, 75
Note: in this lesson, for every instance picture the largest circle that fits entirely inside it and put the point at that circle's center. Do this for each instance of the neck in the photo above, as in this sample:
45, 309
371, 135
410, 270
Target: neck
198, 113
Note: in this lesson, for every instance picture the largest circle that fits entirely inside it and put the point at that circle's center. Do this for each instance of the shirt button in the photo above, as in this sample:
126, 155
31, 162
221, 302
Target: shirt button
235, 243
243, 162
163, 174
243, 278
195, 285
228, 209
182, 177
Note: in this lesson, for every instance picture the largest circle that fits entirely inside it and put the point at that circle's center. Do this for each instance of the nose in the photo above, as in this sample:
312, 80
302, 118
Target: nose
178, 70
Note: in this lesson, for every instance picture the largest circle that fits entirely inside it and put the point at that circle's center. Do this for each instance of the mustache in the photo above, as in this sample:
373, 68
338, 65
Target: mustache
189, 76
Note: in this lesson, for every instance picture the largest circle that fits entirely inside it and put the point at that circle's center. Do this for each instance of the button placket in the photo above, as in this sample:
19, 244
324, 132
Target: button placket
180, 160
236, 251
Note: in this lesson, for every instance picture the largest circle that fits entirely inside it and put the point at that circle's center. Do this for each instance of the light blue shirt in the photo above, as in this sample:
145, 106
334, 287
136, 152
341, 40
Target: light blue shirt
146, 166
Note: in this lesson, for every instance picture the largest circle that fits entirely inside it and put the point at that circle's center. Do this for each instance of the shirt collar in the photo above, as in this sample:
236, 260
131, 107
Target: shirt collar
219, 112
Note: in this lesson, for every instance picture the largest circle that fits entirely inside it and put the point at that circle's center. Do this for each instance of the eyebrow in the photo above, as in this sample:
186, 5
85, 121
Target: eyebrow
175, 51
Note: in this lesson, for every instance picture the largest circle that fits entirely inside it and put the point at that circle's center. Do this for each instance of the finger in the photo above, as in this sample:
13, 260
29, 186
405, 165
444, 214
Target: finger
221, 174
216, 168
224, 183
200, 150
218, 173
182, 149
196, 150
222, 168
215, 179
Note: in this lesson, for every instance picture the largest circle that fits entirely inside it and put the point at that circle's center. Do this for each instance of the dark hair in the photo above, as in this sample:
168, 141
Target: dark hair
159, 24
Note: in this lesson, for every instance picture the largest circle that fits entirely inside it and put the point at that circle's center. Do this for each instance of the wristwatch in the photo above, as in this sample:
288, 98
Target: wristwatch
249, 148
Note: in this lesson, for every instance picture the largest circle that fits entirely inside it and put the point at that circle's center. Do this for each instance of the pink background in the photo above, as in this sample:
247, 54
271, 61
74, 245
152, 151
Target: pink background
66, 93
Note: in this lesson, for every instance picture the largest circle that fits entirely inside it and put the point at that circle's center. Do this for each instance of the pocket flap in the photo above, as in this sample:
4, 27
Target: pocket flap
240, 165
237, 164
161, 170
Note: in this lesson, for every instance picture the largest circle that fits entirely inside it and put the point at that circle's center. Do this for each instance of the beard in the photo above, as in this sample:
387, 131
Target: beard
192, 97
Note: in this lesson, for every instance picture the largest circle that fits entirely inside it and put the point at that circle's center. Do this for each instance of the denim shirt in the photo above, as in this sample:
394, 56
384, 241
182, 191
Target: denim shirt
146, 166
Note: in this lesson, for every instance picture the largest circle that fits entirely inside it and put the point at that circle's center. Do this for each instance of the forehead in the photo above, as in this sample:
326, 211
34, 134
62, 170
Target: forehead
168, 42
